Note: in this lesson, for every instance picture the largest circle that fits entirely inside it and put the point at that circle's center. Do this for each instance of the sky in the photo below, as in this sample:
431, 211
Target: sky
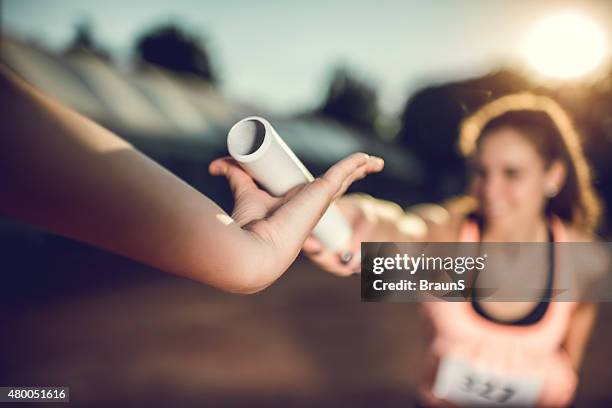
280, 54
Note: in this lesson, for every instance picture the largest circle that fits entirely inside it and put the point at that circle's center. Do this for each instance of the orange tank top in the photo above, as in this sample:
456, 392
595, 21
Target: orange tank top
473, 361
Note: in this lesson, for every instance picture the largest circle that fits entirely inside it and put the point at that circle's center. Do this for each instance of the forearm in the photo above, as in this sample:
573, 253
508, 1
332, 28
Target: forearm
66, 174
579, 332
388, 221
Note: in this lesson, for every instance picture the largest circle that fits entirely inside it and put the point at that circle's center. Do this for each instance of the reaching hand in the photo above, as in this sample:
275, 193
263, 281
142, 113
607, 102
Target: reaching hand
286, 221
347, 262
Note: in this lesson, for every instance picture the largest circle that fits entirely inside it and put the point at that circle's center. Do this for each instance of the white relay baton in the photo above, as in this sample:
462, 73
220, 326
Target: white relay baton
261, 152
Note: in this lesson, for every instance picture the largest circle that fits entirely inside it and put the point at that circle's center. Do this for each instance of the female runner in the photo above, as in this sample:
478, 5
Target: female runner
529, 183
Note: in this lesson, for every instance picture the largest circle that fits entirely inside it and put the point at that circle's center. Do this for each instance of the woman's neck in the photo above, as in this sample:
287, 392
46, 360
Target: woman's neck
505, 230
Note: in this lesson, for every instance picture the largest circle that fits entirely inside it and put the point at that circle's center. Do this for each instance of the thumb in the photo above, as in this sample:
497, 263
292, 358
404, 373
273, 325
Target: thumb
238, 179
355, 167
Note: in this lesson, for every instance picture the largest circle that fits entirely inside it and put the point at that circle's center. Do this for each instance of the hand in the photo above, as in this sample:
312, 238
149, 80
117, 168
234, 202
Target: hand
286, 221
346, 262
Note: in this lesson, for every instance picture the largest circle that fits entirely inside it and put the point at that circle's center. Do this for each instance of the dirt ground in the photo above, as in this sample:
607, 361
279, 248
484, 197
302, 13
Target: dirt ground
155, 340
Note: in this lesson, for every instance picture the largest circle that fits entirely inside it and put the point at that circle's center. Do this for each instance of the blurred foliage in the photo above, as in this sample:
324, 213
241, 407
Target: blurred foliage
430, 125
172, 48
351, 101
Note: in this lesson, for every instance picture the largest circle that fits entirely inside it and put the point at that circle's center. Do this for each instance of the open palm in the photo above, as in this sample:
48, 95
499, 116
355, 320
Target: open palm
275, 219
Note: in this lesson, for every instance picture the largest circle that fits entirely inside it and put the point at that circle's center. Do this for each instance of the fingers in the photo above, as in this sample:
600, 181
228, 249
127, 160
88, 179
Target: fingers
340, 171
373, 165
312, 246
341, 175
293, 217
345, 263
218, 166
332, 263
238, 179
350, 258
354, 262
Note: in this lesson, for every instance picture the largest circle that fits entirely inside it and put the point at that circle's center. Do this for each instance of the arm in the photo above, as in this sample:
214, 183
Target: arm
590, 262
580, 328
65, 173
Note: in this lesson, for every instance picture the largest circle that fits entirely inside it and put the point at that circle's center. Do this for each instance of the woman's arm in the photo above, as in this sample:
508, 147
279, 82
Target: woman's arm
579, 332
65, 173
590, 262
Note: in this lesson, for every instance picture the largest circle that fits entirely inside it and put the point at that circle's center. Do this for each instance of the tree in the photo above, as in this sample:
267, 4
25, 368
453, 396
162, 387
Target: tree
172, 48
351, 101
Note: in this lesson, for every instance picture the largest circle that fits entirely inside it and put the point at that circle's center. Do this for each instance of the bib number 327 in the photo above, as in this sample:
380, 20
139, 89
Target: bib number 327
459, 382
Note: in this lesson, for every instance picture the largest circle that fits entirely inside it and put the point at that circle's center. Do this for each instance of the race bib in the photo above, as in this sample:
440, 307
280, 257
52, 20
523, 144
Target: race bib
461, 383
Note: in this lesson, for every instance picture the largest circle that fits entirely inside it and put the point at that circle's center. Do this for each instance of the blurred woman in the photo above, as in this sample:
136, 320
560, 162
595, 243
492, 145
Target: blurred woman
529, 183
65, 173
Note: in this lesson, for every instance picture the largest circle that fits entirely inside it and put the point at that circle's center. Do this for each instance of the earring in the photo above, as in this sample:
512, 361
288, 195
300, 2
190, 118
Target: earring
551, 191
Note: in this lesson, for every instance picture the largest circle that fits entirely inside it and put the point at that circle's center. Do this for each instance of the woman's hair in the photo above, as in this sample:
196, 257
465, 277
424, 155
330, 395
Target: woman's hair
550, 130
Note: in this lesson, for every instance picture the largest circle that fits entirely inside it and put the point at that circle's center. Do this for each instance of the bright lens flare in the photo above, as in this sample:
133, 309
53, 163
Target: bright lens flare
565, 46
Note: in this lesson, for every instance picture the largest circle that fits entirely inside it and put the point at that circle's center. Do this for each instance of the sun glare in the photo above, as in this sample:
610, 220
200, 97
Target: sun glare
565, 46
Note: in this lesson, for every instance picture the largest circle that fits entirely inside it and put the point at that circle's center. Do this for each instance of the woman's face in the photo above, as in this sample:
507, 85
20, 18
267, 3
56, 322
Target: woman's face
509, 177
